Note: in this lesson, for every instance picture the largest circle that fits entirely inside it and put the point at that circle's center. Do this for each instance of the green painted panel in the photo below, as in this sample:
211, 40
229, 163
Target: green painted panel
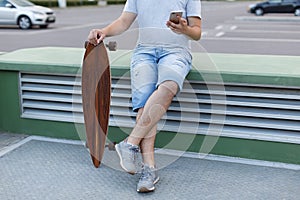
9, 101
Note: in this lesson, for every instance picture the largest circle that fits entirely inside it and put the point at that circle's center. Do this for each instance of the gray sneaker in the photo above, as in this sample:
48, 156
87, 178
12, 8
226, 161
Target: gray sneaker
148, 179
128, 156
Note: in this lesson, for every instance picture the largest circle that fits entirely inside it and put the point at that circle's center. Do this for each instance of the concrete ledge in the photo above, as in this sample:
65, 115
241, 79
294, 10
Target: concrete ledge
46, 59
236, 68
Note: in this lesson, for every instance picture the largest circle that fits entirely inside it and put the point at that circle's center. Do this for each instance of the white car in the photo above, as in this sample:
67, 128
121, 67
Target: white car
25, 14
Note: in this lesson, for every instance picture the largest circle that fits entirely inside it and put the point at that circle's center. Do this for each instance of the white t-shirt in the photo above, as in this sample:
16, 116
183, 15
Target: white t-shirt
152, 16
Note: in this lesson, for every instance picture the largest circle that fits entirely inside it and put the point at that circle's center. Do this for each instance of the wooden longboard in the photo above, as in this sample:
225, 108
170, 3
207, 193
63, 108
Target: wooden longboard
96, 95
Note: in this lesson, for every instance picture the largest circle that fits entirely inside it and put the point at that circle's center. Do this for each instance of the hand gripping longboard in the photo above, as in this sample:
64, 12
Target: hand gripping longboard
96, 95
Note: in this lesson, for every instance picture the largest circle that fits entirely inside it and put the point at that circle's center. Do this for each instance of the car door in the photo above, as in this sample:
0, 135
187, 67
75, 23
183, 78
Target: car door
287, 6
7, 12
273, 6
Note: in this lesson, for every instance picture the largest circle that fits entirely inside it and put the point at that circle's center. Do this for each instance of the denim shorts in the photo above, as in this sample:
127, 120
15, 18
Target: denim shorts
151, 66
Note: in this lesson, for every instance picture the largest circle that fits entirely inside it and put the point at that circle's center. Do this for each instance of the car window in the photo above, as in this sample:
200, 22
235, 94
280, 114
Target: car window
23, 3
3, 3
274, 1
289, 1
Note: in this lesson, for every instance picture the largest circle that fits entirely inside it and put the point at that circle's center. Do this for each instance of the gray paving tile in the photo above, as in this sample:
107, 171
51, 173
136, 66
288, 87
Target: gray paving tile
47, 170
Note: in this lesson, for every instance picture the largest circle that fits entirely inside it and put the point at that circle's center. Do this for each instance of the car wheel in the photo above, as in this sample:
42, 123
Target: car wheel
259, 11
297, 12
24, 22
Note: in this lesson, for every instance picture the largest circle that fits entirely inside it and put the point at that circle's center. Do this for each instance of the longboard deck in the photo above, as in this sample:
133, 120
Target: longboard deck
96, 95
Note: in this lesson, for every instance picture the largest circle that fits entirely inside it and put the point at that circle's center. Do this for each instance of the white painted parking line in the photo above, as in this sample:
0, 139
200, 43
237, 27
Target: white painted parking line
219, 34
267, 19
50, 30
267, 31
233, 28
251, 39
219, 27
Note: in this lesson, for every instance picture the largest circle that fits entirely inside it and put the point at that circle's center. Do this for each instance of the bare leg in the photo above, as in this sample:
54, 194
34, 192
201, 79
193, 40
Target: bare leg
147, 143
145, 128
147, 148
155, 108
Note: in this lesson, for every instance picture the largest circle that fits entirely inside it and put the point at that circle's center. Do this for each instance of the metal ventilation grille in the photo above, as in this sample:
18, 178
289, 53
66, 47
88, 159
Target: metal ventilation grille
242, 111
51, 97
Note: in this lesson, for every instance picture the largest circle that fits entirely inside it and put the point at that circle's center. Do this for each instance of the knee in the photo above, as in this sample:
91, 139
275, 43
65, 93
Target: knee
139, 113
170, 88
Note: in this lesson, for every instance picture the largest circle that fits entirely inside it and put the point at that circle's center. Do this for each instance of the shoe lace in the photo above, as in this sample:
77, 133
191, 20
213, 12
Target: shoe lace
146, 174
135, 151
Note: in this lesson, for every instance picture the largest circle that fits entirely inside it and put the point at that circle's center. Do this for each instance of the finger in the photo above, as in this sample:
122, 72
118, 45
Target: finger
91, 39
100, 35
96, 36
168, 23
183, 21
173, 25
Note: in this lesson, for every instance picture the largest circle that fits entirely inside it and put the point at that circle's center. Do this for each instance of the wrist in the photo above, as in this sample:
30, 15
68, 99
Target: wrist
103, 32
193, 32
187, 31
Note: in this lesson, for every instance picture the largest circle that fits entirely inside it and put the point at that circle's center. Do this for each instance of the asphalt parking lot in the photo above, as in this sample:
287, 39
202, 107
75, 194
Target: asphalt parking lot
227, 28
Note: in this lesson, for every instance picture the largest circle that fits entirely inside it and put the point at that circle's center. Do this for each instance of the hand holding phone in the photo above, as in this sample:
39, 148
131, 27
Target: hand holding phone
174, 16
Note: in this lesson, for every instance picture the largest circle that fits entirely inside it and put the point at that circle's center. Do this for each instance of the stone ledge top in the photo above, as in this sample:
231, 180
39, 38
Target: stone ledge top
211, 67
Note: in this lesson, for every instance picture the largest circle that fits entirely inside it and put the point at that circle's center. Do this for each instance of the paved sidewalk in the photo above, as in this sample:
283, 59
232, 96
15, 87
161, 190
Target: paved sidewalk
52, 170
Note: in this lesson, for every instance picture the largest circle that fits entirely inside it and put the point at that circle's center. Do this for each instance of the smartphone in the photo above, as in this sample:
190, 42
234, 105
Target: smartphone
174, 16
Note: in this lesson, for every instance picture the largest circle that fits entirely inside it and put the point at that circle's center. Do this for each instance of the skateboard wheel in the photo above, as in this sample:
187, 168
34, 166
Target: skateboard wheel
112, 45
85, 44
111, 146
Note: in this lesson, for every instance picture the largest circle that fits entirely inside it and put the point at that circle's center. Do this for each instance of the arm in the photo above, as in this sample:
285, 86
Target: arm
115, 28
191, 28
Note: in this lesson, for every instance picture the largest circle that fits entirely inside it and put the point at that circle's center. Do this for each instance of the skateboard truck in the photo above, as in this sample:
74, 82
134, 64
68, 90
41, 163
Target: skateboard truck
111, 45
